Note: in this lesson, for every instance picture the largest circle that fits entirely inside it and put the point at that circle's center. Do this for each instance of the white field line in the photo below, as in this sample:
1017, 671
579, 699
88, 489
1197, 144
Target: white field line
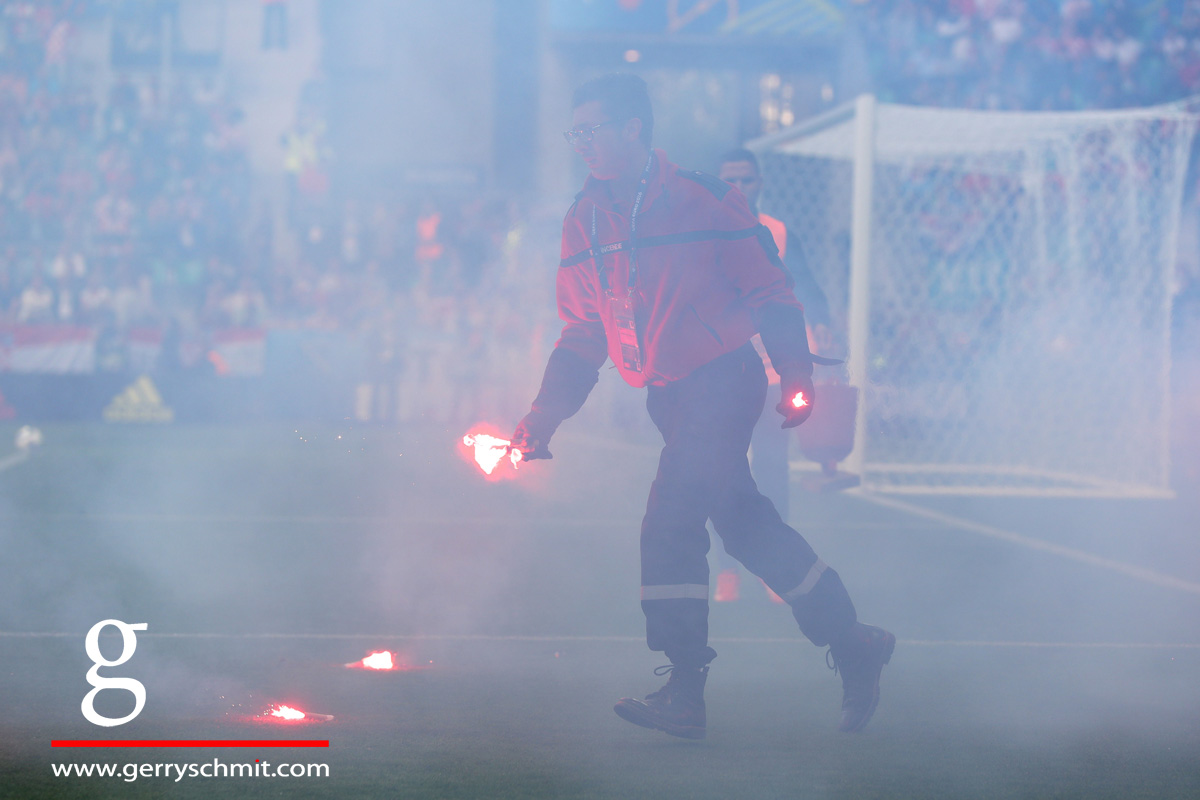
471, 637
496, 521
1131, 570
16, 458
328, 519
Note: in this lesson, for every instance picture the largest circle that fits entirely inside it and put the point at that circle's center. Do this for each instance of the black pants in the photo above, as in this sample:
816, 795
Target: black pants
706, 420
769, 454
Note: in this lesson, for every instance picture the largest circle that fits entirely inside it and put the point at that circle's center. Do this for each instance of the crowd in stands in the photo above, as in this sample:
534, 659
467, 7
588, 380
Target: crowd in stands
132, 208
445, 293
1032, 54
132, 205
109, 203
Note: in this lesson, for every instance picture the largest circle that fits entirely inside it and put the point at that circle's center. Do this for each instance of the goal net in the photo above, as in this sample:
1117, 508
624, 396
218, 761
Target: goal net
1001, 285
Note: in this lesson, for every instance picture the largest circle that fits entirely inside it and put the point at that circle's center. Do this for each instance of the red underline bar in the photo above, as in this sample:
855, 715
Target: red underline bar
189, 743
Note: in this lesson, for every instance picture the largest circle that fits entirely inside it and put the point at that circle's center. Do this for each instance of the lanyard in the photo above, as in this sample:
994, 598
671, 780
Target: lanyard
598, 252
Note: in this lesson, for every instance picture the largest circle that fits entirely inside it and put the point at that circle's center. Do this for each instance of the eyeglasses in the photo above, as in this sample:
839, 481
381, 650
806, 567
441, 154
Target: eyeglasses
585, 134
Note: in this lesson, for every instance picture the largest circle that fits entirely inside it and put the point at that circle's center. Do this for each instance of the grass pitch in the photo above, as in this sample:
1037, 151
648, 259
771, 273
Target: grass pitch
264, 559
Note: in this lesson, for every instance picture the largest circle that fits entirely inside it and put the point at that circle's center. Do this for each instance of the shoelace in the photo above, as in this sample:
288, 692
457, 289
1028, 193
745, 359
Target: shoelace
666, 689
830, 661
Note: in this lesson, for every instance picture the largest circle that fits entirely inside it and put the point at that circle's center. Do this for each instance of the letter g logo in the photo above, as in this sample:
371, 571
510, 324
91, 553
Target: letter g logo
128, 645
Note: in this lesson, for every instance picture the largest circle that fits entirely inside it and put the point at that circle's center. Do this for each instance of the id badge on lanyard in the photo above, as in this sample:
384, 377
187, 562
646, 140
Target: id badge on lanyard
631, 352
623, 307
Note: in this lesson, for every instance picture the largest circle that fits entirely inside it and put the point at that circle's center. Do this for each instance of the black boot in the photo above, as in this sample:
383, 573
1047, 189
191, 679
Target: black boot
677, 708
859, 657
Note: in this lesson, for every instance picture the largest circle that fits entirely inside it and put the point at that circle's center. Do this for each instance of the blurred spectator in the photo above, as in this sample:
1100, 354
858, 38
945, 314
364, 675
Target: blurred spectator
36, 303
429, 244
133, 300
95, 301
351, 241
212, 313
9, 294
245, 306
304, 160
69, 263
385, 353
113, 219
64, 300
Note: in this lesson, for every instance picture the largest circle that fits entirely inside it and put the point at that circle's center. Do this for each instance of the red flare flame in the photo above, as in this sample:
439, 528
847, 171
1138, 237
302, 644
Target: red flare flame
799, 401
386, 661
287, 712
380, 660
490, 450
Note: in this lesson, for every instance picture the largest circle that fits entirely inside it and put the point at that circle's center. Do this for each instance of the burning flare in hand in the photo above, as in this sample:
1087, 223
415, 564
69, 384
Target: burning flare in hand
490, 451
799, 401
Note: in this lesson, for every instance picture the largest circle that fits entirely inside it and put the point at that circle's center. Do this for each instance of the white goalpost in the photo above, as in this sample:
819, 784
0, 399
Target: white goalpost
1000, 284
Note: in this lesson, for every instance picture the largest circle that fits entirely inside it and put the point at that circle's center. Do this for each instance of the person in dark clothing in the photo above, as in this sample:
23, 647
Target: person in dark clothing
669, 273
769, 444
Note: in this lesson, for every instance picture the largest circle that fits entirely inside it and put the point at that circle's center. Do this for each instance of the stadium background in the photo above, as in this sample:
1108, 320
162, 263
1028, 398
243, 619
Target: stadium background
281, 209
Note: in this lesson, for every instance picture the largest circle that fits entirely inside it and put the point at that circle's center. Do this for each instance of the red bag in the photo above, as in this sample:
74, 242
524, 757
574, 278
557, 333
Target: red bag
828, 435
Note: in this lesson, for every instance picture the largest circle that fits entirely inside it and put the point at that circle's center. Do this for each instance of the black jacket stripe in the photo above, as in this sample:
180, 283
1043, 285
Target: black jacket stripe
665, 239
718, 187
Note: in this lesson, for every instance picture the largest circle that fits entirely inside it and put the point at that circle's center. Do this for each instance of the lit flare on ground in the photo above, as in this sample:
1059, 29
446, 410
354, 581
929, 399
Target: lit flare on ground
386, 661
288, 714
381, 659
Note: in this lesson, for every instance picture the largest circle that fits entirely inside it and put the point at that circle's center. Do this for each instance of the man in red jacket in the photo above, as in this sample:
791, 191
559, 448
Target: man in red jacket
668, 272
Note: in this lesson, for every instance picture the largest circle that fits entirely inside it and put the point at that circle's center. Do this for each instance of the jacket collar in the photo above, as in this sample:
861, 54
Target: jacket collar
599, 193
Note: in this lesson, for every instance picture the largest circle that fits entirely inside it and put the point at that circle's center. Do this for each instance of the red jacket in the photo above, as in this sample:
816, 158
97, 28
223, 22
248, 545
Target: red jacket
706, 271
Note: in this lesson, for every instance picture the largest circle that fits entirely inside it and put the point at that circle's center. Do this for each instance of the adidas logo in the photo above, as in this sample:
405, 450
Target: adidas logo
140, 402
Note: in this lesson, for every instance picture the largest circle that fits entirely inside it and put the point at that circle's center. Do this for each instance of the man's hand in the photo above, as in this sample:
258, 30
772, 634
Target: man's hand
798, 396
531, 439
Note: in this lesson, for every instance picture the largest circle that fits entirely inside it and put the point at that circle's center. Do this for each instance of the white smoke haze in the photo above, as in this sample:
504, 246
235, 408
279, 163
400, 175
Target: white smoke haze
433, 550
1038, 636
